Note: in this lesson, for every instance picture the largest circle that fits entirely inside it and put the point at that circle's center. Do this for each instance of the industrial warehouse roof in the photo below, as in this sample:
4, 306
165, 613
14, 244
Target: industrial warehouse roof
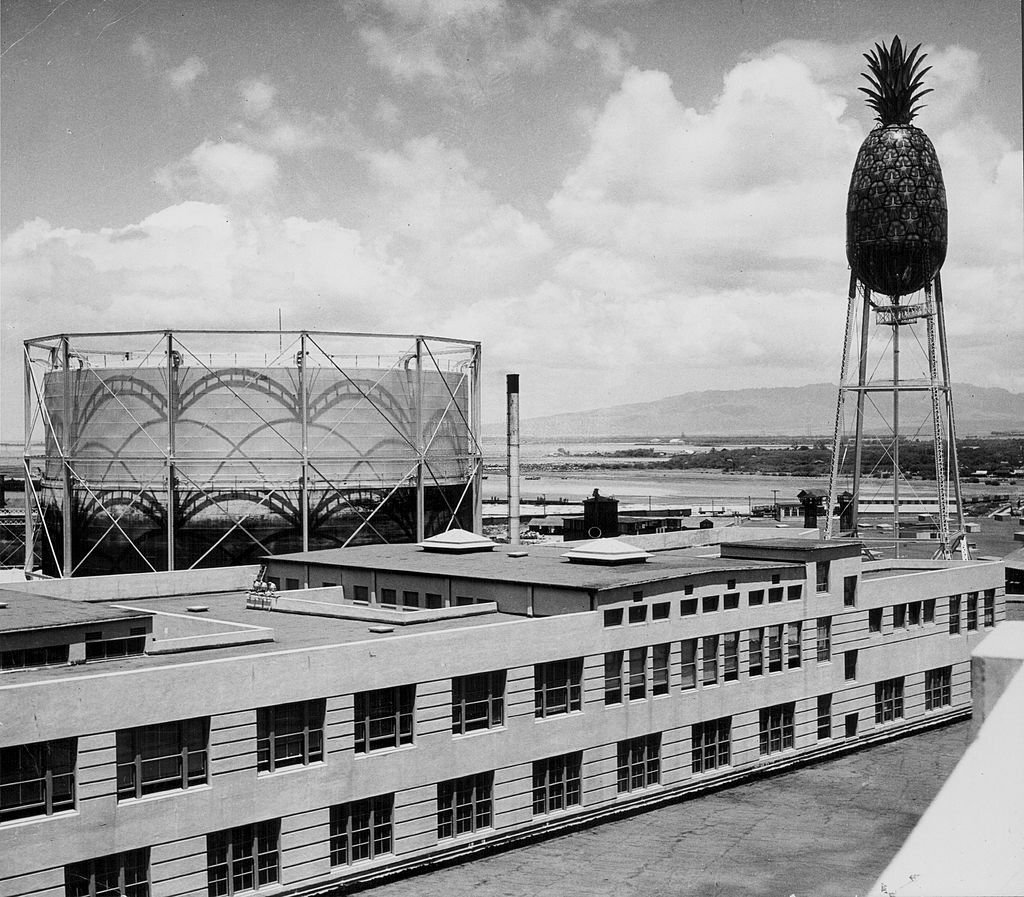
25, 611
527, 566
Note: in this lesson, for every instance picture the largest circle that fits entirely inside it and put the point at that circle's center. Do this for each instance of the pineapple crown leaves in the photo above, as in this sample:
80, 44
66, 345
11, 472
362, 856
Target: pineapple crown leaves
895, 78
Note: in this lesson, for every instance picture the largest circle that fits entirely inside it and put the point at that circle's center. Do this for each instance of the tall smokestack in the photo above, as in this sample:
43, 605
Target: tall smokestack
512, 390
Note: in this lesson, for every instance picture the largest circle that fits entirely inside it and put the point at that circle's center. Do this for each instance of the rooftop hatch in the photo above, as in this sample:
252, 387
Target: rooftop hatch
607, 552
457, 541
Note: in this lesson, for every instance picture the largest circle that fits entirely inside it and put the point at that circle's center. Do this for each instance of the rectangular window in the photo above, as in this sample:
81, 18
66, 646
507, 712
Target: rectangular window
709, 604
775, 648
162, 758
383, 718
710, 744
850, 665
875, 619
938, 688
99, 648
776, 728
687, 590
889, 700
990, 608
689, 663
775, 595
821, 569
755, 651
465, 805
637, 674
824, 717
118, 875
613, 677
709, 659
410, 599
793, 593
850, 724
731, 656
929, 611
639, 763
793, 645
362, 829
246, 858
613, 616
660, 610
659, 669
824, 639
289, 735
433, 600
478, 701
557, 783
557, 687
637, 613
972, 611
687, 607
389, 597
464, 600
731, 601
850, 591
37, 779
954, 614
290, 584
362, 594
26, 658
755, 597
914, 613
899, 616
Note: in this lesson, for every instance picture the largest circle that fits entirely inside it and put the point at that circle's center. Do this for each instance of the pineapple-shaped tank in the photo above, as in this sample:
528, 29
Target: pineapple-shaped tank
896, 222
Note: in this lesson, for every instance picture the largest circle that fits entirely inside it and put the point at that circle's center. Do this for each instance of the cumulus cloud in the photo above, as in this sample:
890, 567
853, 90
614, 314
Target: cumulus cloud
224, 168
258, 97
469, 49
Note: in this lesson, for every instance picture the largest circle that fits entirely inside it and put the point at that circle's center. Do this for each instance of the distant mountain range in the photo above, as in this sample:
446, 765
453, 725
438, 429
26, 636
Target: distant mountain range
777, 411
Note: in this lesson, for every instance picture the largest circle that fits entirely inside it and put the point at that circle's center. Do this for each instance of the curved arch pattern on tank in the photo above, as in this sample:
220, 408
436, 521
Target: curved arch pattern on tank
238, 456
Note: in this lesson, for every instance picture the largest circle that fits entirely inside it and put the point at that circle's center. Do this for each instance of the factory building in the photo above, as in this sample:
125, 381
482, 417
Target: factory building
354, 713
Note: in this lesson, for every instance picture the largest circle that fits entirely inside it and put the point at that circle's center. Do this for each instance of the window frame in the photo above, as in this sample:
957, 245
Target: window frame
824, 717
955, 613
377, 834
822, 573
710, 745
709, 667
889, 700
271, 752
938, 688
401, 716
972, 612
755, 651
730, 656
227, 842
48, 774
550, 679
638, 764
612, 678
776, 728
823, 631
688, 668
126, 864
661, 665
465, 805
493, 703
989, 609
132, 758
557, 783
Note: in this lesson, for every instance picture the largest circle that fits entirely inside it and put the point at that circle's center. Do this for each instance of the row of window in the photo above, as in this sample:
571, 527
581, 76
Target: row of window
957, 605
730, 600
97, 647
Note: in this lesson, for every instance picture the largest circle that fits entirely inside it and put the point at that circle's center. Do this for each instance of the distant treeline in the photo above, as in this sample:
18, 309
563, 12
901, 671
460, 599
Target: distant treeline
917, 459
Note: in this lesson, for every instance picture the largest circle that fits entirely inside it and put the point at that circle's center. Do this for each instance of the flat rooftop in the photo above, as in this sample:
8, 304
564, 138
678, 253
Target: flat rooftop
529, 565
27, 612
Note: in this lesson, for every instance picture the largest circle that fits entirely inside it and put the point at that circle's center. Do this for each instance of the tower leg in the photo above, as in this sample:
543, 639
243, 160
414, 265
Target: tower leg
837, 433
862, 377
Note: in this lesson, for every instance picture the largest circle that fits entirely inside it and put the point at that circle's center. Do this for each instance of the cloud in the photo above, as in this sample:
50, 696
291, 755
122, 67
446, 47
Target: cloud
142, 48
470, 49
258, 97
185, 75
222, 168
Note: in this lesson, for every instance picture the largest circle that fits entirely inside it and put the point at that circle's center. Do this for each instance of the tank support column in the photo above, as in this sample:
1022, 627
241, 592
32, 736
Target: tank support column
421, 511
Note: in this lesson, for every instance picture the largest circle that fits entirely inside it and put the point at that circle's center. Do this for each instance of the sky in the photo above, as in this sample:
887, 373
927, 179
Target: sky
620, 200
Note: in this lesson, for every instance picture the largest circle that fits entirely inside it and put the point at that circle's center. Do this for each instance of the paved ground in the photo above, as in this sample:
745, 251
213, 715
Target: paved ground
828, 829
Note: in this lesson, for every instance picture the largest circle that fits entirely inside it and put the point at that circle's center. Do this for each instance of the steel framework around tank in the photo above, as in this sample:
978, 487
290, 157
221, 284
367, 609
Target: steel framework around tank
152, 450
882, 372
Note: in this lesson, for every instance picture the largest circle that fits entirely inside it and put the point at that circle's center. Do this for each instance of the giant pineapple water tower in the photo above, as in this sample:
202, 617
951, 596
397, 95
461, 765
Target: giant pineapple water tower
896, 233
168, 450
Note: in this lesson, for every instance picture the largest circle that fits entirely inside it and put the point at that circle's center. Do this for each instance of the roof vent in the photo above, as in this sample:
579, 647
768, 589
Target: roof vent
457, 541
380, 630
518, 554
197, 608
608, 552
3, 605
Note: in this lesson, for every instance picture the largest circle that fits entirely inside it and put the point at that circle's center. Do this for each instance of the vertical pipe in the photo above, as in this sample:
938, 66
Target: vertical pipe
30, 536
65, 437
512, 456
896, 424
478, 476
954, 461
421, 509
304, 414
172, 393
862, 376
